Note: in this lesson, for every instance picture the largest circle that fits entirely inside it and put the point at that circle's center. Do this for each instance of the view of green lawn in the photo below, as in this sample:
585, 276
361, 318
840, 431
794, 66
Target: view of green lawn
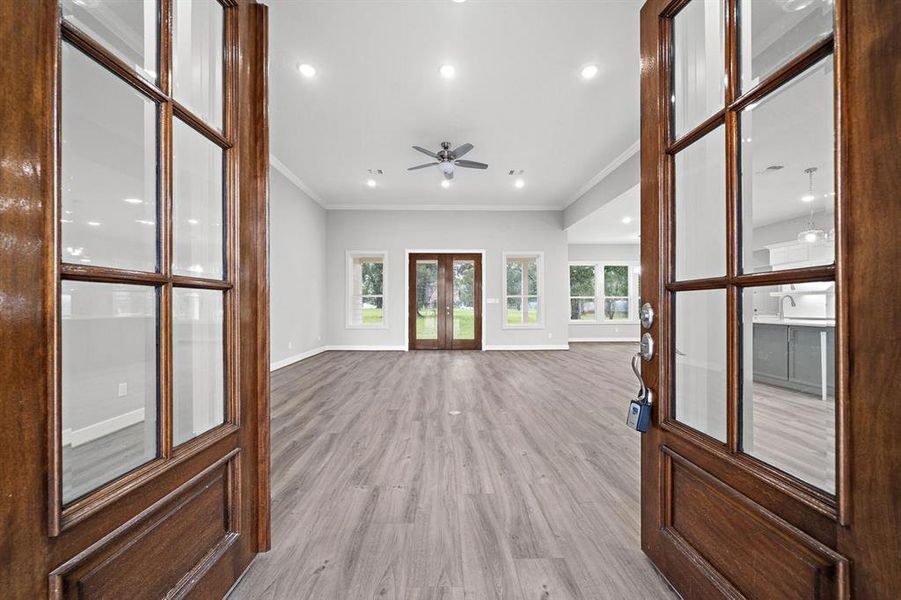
514, 316
373, 315
427, 324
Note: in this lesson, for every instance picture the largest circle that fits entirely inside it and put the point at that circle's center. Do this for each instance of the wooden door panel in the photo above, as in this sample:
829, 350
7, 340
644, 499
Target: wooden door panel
198, 519
758, 552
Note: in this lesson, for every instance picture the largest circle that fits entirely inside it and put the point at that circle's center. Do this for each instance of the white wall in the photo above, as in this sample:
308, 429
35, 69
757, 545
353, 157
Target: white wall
296, 271
495, 232
628, 253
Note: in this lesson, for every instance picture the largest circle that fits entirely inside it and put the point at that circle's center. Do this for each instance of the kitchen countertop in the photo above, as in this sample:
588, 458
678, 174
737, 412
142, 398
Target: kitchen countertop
774, 320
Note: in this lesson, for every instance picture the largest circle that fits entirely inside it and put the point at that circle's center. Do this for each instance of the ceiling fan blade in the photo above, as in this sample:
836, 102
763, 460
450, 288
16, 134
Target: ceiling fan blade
426, 152
470, 164
432, 164
461, 150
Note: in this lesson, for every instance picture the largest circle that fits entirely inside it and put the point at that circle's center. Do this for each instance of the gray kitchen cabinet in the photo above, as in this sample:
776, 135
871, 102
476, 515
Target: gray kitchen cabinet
805, 368
770, 353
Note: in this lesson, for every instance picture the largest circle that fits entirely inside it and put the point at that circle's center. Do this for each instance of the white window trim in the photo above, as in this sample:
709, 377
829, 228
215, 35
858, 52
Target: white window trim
349, 284
537, 254
600, 317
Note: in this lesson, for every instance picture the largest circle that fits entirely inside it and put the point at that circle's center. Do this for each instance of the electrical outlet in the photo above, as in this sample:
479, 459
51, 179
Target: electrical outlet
123, 389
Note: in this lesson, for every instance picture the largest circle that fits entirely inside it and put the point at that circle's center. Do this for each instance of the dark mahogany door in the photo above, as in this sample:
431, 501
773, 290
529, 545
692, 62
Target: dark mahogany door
134, 404
445, 301
770, 468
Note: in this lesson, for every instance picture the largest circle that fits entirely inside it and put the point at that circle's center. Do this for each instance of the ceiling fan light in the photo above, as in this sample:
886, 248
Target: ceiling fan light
445, 183
307, 70
447, 167
370, 183
812, 236
447, 71
589, 71
519, 184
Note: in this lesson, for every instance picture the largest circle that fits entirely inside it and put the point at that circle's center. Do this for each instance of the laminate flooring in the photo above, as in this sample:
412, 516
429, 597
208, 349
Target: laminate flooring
455, 475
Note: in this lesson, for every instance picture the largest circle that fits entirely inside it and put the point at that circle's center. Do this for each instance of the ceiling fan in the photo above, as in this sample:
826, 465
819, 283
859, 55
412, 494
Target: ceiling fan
448, 159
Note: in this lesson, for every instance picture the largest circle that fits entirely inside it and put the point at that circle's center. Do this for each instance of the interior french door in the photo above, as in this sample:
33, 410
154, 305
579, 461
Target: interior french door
445, 301
139, 445
767, 470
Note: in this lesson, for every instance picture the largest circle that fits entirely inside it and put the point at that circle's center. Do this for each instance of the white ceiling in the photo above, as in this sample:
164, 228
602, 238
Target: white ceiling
605, 225
517, 97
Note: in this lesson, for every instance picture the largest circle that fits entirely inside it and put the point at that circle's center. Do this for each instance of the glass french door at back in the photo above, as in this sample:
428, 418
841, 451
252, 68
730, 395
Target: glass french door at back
464, 310
784, 194
144, 294
427, 299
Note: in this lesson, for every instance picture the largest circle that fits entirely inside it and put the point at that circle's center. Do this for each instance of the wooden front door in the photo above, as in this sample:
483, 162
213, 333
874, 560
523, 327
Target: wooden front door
134, 363
445, 301
769, 231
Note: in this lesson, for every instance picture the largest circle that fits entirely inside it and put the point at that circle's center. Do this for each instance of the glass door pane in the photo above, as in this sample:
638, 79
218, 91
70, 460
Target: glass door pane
427, 299
198, 358
198, 29
700, 361
775, 31
109, 168
464, 299
698, 63
788, 388
109, 382
127, 28
788, 175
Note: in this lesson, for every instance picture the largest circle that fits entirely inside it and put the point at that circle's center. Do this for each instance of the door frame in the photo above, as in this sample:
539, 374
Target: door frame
483, 303
223, 474
849, 543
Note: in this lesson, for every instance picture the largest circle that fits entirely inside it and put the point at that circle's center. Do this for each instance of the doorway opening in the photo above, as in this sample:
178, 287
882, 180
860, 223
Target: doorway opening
444, 306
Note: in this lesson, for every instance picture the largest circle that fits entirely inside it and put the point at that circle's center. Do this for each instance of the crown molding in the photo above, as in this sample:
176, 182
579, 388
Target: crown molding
290, 176
616, 162
447, 207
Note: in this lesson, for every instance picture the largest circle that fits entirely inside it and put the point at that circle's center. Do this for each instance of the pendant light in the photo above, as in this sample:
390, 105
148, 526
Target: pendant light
812, 234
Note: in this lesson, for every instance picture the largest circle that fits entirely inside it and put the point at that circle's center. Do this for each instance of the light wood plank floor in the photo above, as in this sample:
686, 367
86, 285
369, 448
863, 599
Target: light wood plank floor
531, 492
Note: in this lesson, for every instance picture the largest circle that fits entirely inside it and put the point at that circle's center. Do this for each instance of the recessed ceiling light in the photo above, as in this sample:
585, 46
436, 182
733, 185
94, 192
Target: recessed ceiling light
627, 220
519, 184
307, 70
445, 183
144, 222
193, 221
808, 198
447, 71
459, 1
589, 72
370, 182
94, 223
133, 200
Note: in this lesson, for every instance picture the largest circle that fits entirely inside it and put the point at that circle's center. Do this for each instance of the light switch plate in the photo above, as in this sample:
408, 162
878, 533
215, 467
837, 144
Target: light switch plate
123, 389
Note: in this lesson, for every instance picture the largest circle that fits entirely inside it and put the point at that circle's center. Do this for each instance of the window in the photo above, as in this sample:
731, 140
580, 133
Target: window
366, 289
601, 292
582, 293
522, 290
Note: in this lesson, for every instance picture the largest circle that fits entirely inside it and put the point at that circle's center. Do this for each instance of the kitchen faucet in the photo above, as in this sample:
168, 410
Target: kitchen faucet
782, 304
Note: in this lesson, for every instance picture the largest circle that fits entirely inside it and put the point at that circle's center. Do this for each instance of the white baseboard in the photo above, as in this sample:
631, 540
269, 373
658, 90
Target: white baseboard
296, 358
369, 348
77, 437
603, 339
526, 347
